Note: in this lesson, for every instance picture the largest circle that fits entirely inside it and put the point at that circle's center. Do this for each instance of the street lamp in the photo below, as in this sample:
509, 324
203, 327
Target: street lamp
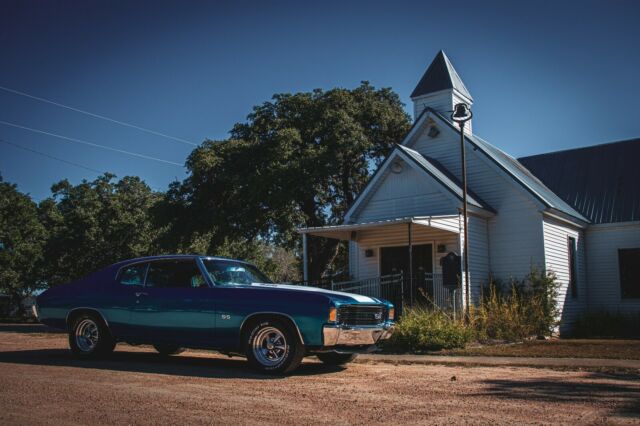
462, 114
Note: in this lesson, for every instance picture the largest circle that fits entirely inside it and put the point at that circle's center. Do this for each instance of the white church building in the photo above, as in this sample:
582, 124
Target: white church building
575, 213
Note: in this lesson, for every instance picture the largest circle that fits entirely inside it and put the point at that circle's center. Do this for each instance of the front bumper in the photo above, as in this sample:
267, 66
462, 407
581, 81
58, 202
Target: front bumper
340, 335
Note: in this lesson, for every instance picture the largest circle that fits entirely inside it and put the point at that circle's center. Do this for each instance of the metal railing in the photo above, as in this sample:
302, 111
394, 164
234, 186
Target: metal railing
425, 290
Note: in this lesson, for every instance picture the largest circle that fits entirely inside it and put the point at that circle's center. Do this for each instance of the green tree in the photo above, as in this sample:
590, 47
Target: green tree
298, 160
94, 224
22, 238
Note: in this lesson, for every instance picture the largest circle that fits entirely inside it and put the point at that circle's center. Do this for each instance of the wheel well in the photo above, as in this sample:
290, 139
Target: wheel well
253, 319
74, 313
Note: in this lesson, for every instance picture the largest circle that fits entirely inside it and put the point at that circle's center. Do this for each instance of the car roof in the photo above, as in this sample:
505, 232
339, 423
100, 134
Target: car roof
174, 256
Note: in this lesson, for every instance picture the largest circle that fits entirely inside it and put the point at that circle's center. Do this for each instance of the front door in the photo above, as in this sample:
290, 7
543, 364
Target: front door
175, 305
394, 260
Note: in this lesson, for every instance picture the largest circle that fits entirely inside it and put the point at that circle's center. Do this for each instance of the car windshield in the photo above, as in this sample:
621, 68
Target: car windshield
229, 272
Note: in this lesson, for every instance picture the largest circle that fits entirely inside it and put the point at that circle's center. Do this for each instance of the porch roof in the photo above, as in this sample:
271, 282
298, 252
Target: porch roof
449, 223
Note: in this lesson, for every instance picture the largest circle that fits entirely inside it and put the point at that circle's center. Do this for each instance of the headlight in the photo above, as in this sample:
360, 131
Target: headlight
392, 314
333, 314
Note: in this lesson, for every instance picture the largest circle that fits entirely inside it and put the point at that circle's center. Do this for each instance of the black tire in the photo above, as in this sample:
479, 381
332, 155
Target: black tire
336, 358
89, 337
286, 351
167, 350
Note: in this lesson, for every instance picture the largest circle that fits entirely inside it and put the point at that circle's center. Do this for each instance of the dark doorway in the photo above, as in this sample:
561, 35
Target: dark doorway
394, 260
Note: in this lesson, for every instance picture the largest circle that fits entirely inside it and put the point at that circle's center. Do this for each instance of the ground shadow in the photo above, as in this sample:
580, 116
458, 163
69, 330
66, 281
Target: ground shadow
624, 397
28, 328
153, 363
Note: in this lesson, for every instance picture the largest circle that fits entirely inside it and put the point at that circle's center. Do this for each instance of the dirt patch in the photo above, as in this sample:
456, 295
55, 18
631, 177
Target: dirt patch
40, 383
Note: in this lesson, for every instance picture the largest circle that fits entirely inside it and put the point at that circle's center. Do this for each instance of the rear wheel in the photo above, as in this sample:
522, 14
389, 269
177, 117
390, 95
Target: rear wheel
89, 337
273, 347
166, 350
336, 358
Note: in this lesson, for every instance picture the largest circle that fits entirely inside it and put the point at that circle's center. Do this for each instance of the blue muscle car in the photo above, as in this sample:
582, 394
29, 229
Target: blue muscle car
175, 302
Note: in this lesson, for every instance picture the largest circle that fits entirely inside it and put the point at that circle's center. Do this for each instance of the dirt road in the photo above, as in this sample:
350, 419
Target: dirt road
40, 383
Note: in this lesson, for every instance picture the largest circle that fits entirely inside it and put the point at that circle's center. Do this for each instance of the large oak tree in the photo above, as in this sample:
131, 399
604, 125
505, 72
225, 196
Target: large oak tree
299, 160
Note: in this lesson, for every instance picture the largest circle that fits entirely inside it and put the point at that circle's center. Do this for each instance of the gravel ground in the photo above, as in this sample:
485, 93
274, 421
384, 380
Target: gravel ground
40, 383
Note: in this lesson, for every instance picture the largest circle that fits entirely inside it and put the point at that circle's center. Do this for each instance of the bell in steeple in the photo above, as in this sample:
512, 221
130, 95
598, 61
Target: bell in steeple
440, 88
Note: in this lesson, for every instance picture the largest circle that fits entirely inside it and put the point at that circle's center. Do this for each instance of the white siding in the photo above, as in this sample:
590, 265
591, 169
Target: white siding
603, 275
515, 237
408, 193
440, 101
556, 253
478, 254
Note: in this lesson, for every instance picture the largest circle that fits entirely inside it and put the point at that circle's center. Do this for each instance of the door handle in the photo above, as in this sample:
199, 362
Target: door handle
141, 293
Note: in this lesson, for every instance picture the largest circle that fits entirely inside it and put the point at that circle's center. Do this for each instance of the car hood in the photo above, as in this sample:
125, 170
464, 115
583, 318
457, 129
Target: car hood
337, 296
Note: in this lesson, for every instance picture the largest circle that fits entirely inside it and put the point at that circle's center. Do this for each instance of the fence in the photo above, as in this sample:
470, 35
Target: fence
423, 289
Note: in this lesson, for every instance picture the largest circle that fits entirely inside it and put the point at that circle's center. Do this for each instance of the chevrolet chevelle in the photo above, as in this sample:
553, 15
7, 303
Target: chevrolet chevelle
176, 302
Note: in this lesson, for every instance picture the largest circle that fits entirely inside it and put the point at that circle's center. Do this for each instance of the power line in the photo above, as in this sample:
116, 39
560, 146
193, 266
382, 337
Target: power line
80, 141
102, 117
50, 156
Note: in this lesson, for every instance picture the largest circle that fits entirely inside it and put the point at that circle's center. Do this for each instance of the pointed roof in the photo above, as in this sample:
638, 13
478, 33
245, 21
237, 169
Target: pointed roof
507, 163
440, 76
432, 168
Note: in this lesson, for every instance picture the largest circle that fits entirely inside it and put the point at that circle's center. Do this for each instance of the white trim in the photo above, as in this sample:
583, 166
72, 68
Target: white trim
568, 221
427, 221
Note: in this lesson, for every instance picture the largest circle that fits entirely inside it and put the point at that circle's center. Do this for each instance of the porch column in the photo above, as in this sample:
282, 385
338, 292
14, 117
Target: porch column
305, 258
410, 261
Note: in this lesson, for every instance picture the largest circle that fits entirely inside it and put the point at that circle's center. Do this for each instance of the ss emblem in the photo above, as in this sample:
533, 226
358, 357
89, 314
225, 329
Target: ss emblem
225, 316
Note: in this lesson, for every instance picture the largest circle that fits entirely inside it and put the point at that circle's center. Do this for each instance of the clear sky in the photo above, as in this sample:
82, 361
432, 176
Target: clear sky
545, 75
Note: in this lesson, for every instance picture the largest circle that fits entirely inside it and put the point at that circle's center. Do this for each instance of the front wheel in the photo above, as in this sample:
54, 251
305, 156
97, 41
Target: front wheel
89, 337
273, 347
336, 358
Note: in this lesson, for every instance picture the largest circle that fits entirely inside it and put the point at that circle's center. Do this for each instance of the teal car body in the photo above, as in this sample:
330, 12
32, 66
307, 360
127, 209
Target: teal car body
209, 309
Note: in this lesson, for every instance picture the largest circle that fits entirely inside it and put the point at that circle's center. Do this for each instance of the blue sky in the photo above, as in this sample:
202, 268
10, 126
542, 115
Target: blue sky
545, 75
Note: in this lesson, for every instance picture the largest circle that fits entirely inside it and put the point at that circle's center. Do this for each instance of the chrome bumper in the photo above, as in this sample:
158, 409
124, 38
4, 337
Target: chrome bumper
339, 335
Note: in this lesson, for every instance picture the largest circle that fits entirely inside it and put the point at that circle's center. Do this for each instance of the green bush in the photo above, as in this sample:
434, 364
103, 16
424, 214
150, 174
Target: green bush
420, 329
607, 325
526, 309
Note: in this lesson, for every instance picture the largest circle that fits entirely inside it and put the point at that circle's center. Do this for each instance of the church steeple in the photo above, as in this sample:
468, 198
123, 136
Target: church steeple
440, 88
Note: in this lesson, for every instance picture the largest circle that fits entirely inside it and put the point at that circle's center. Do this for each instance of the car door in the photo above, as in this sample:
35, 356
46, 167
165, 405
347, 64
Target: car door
118, 302
176, 305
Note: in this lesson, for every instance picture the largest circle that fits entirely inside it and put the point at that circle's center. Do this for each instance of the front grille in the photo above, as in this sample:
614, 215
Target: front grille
361, 315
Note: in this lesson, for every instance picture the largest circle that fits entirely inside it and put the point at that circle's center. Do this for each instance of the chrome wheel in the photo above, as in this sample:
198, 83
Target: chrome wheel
87, 335
270, 346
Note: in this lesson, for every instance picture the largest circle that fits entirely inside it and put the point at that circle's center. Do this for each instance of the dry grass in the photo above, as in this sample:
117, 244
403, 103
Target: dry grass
556, 348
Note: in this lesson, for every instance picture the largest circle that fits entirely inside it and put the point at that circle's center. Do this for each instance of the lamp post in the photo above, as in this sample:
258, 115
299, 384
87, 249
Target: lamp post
461, 114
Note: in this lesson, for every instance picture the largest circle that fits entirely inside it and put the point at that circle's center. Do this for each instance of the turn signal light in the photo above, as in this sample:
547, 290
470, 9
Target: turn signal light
392, 314
333, 314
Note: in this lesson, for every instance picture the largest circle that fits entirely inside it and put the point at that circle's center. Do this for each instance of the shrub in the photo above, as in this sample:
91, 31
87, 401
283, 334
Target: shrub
527, 308
420, 329
607, 325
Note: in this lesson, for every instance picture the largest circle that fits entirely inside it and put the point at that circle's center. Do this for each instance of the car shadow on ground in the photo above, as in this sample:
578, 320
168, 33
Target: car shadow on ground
625, 397
28, 328
153, 363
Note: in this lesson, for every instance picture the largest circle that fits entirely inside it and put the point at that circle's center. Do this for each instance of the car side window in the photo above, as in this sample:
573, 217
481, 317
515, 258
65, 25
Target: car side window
133, 274
175, 274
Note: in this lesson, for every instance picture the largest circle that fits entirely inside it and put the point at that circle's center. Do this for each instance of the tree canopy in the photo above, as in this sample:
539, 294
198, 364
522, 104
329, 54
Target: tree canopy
298, 160
22, 238
94, 224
